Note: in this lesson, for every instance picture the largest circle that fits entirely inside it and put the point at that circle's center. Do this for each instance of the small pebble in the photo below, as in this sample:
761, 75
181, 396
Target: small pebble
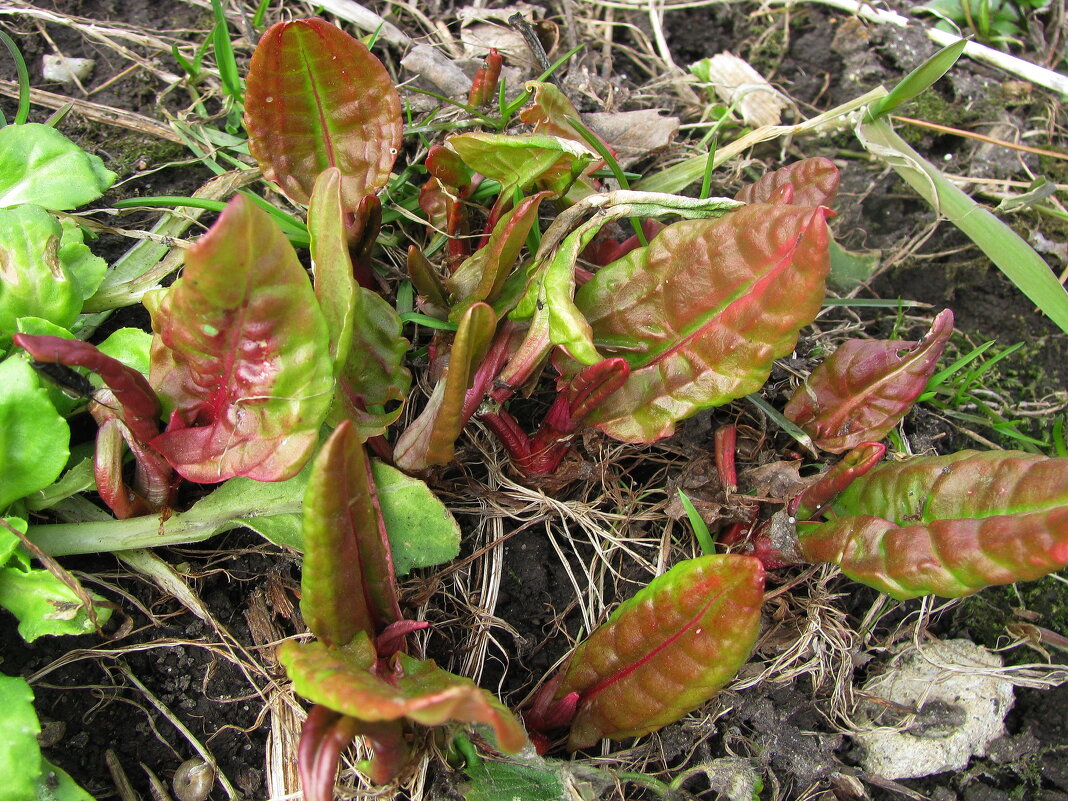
65, 70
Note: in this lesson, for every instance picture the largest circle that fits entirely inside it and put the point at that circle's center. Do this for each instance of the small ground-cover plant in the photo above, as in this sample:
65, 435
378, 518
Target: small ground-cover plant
249, 361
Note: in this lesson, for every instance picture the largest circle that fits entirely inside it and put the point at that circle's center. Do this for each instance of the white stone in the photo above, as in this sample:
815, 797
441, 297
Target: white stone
65, 70
962, 703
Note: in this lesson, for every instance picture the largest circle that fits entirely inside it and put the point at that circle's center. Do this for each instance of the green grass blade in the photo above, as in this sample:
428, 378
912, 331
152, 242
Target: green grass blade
697, 523
1012, 255
22, 113
918, 80
224, 54
790, 427
427, 321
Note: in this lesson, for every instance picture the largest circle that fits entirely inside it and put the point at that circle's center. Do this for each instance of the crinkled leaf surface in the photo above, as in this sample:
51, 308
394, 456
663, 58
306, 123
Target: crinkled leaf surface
667, 650
865, 387
949, 525
34, 438
702, 311
809, 182
343, 680
422, 531
241, 350
335, 285
86, 269
431, 438
40, 165
316, 98
523, 161
347, 585
33, 279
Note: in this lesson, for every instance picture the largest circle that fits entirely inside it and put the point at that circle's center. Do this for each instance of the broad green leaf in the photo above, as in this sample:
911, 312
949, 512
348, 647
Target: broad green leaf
9, 543
431, 438
40, 165
33, 279
64, 403
34, 438
342, 679
701, 313
497, 780
317, 98
85, 269
850, 268
948, 525
347, 585
523, 161
131, 346
45, 605
422, 531
1012, 255
866, 387
55, 784
20, 755
667, 650
241, 350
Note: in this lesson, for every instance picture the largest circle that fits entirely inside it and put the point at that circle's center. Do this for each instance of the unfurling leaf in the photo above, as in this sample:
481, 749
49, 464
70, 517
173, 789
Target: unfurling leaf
241, 350
809, 182
667, 650
702, 311
348, 584
317, 98
345, 680
948, 525
866, 387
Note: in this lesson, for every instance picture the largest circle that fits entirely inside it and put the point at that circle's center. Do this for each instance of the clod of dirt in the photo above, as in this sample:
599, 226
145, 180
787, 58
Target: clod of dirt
936, 708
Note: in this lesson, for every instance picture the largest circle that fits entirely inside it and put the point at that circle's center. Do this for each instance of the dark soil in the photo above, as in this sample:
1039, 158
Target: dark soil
820, 59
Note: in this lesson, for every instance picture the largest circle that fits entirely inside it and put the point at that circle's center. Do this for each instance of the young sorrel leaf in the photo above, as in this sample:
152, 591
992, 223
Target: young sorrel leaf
317, 98
523, 161
40, 165
667, 650
944, 557
482, 275
422, 531
963, 484
241, 350
348, 583
431, 438
324, 735
33, 279
818, 496
344, 679
365, 332
703, 310
865, 387
809, 182
33, 436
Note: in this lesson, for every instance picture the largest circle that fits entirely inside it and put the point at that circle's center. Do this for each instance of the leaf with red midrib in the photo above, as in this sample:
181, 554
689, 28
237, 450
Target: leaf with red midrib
667, 650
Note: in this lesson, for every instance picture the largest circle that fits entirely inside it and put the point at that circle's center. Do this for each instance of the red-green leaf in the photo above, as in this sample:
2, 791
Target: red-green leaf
324, 735
482, 275
431, 438
348, 584
866, 387
838, 477
667, 650
365, 331
241, 351
809, 182
317, 98
703, 310
344, 680
949, 525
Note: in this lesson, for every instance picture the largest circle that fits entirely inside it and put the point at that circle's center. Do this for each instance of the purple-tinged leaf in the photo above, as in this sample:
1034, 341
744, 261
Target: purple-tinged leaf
667, 650
484, 85
448, 168
324, 735
317, 98
819, 496
365, 331
866, 387
963, 484
348, 584
427, 283
431, 438
241, 350
809, 182
346, 680
482, 275
703, 311
944, 557
549, 112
